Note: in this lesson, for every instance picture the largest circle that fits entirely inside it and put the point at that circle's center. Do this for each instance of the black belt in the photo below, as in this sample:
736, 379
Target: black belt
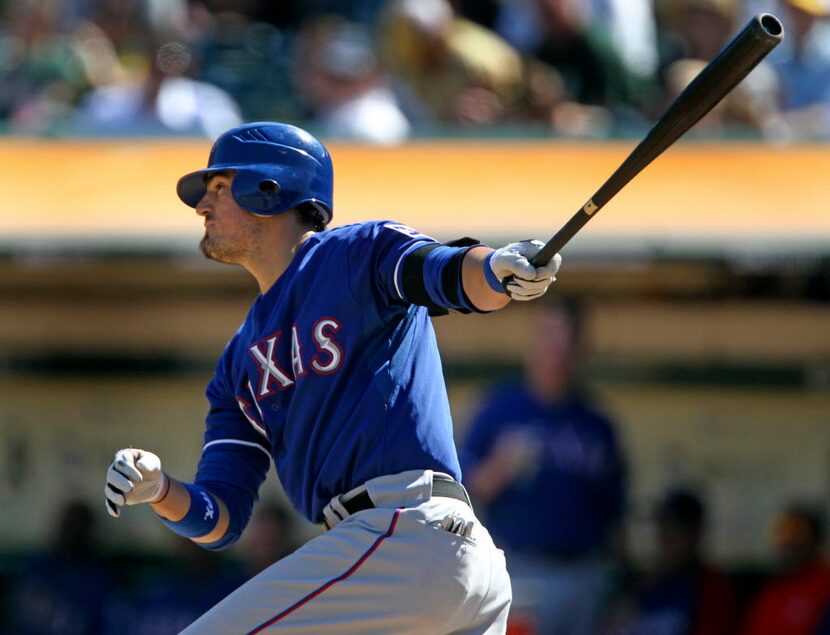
442, 486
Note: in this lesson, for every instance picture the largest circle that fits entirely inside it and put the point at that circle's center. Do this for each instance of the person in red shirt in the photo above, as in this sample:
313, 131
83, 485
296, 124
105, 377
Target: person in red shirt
794, 601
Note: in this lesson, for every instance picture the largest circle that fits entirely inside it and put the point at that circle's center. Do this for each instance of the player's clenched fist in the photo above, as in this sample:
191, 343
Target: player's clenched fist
528, 282
133, 477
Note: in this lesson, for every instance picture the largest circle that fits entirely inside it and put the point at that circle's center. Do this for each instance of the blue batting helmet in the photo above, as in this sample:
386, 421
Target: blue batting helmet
277, 167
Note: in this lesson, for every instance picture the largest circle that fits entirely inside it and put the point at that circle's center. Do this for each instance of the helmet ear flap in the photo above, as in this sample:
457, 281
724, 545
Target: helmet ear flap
255, 193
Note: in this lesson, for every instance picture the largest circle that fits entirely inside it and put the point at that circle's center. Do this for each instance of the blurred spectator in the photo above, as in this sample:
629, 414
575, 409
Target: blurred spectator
632, 28
684, 595
456, 70
338, 75
163, 99
750, 8
695, 29
793, 603
598, 86
270, 536
748, 109
293, 13
694, 32
483, 12
48, 59
547, 467
163, 601
250, 60
587, 68
519, 24
167, 15
804, 71
125, 23
628, 24
61, 592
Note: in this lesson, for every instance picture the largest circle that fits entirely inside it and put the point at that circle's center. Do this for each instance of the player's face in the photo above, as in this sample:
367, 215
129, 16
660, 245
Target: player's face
230, 231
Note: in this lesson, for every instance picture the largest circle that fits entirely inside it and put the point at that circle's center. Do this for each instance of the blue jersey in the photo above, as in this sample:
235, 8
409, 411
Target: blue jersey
571, 493
334, 375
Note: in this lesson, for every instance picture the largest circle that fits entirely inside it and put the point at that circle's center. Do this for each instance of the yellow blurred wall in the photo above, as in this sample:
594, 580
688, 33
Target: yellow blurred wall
448, 188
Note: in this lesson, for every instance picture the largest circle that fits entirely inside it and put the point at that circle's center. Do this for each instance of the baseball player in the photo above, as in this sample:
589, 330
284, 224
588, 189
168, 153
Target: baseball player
335, 377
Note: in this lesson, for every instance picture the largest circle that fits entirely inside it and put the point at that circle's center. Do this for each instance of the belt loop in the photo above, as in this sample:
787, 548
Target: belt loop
334, 513
393, 489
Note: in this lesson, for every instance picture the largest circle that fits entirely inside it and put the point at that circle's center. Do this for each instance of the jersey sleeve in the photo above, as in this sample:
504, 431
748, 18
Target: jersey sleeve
376, 256
397, 264
232, 419
235, 456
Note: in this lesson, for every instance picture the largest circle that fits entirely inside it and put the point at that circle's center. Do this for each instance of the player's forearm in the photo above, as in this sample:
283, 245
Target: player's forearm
176, 506
475, 284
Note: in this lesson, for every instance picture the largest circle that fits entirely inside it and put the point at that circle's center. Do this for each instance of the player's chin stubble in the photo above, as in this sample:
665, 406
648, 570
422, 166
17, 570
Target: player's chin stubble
215, 251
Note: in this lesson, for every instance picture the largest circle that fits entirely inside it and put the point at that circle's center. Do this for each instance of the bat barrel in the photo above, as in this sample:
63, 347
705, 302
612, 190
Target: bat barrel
746, 50
771, 25
762, 34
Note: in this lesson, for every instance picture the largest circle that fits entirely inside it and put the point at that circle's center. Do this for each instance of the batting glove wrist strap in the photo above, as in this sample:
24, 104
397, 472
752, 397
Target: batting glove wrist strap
201, 518
491, 277
164, 490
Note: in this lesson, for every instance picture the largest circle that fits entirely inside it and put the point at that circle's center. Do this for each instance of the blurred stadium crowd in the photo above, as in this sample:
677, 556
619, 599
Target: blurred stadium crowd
384, 70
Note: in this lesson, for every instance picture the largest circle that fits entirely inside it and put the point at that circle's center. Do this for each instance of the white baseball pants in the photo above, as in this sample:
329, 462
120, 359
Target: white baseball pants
388, 570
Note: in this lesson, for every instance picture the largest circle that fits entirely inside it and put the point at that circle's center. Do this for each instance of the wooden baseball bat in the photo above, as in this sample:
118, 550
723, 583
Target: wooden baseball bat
746, 50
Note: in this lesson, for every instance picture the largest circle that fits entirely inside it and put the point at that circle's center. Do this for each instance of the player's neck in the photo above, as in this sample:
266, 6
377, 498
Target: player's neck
275, 251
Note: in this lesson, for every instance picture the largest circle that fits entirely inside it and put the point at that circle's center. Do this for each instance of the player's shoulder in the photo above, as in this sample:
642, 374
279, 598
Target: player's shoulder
234, 344
371, 229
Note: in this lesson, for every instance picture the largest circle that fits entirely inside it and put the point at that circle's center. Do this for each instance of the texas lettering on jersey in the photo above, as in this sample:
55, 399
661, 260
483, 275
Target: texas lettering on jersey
326, 360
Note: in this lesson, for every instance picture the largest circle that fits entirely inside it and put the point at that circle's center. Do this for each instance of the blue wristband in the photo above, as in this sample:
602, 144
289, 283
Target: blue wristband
201, 518
491, 277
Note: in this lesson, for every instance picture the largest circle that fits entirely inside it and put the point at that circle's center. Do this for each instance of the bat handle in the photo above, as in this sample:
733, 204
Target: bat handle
569, 230
561, 238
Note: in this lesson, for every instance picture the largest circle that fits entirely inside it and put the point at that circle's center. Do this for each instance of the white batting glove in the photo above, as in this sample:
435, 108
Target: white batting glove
528, 282
134, 477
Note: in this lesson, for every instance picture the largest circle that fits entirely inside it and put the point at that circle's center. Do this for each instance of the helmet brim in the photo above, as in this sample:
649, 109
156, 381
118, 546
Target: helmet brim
192, 187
